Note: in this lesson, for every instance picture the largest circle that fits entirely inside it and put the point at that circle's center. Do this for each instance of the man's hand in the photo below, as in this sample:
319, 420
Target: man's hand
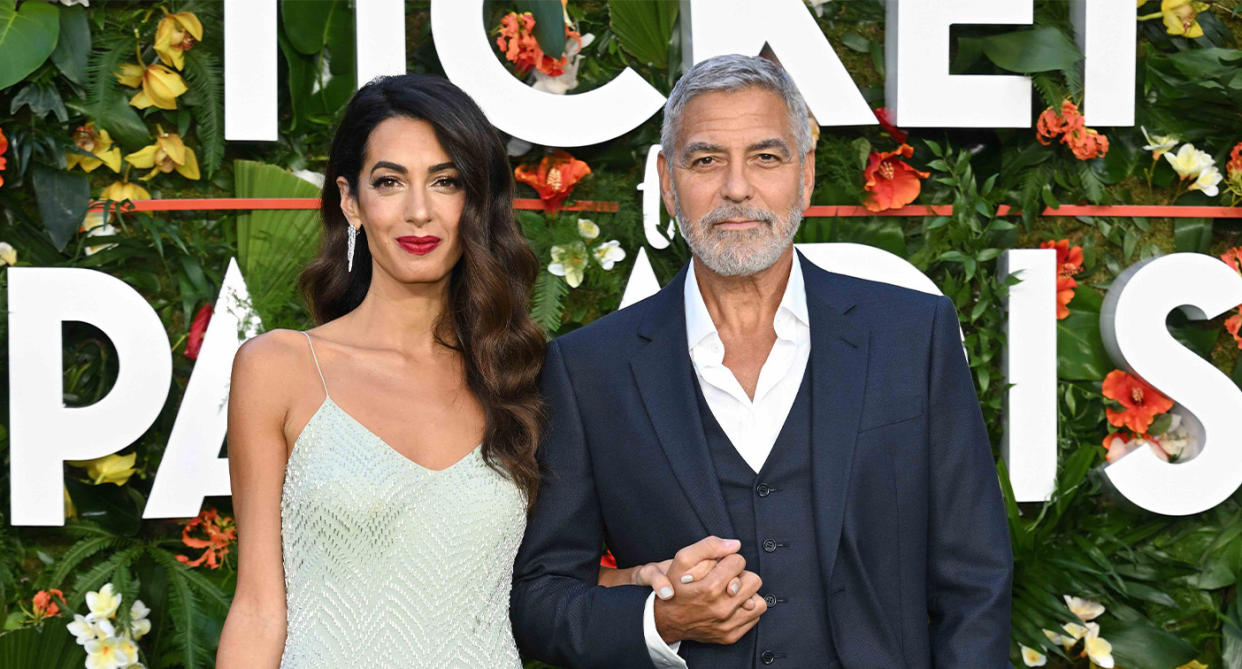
713, 596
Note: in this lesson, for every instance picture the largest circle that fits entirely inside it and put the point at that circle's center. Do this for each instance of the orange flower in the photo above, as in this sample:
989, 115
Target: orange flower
1140, 402
554, 178
1232, 325
517, 41
4, 146
221, 533
1233, 258
1086, 143
45, 606
1051, 124
1234, 166
1065, 294
890, 182
1069, 258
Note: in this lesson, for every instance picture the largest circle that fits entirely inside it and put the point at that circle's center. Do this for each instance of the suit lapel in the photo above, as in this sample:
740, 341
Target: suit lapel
839, 371
664, 375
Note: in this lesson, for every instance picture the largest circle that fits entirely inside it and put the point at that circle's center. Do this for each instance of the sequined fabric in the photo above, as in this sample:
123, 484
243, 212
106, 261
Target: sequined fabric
390, 564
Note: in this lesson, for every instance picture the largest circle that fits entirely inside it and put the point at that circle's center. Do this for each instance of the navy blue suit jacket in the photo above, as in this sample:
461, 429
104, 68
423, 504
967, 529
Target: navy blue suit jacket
911, 530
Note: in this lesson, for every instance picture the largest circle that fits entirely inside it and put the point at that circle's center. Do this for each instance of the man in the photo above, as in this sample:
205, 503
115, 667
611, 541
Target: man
828, 423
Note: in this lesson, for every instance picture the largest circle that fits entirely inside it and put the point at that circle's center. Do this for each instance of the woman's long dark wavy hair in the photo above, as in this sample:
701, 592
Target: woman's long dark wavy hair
486, 318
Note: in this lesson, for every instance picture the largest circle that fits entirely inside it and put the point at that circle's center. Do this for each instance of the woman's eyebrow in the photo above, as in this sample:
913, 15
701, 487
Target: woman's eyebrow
392, 166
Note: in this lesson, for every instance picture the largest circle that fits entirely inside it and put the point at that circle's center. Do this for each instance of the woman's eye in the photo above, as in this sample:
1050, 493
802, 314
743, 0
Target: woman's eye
447, 182
384, 183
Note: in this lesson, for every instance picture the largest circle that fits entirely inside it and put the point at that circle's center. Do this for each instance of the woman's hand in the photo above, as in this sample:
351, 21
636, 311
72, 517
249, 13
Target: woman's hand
655, 576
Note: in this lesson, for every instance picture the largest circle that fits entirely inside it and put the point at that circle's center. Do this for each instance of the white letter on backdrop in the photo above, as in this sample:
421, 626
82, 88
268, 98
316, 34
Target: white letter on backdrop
191, 469
250, 88
1029, 444
1108, 71
380, 29
43, 432
653, 202
719, 27
1132, 322
920, 91
468, 55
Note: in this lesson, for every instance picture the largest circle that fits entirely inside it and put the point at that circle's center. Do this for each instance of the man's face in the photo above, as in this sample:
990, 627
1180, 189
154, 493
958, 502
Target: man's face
735, 180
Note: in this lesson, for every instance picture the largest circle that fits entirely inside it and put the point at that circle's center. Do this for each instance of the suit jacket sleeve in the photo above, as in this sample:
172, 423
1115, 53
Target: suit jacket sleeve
970, 563
559, 614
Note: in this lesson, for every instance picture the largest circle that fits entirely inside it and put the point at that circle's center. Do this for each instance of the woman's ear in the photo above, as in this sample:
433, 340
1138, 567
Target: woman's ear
349, 203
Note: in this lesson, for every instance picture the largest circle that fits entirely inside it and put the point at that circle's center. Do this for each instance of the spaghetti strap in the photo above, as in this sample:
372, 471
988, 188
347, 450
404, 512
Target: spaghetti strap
316, 359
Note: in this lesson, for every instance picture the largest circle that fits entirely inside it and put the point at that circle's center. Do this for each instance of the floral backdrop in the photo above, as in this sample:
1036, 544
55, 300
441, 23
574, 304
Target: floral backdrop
122, 101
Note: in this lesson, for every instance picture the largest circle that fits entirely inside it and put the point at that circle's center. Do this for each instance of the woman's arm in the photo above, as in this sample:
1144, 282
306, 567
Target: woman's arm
254, 631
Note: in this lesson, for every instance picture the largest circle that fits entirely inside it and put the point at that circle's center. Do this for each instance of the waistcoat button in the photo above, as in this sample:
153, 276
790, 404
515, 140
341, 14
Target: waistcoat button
767, 657
763, 490
769, 545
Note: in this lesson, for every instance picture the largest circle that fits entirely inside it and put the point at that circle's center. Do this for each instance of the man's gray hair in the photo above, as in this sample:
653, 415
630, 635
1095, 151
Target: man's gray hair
735, 72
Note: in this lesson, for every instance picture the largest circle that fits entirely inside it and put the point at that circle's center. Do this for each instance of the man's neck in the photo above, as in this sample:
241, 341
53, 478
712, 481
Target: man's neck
743, 306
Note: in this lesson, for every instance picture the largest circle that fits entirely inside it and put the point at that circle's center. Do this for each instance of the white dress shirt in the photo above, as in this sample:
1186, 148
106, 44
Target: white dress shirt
751, 425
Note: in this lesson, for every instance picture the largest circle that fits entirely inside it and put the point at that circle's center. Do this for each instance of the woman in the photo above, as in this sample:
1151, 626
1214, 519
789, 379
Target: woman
383, 461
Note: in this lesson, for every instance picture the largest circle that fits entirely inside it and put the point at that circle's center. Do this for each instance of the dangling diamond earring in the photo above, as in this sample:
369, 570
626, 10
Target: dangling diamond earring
349, 252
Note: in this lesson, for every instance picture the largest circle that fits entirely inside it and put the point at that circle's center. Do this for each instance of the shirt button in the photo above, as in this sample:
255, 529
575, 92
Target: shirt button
767, 657
770, 600
769, 545
763, 490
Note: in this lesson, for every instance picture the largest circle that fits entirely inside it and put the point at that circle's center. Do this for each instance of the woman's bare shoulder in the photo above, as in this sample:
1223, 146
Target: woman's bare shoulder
268, 360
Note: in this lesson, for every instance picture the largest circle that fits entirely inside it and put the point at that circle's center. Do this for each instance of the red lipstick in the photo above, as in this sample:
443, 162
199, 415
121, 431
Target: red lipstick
419, 246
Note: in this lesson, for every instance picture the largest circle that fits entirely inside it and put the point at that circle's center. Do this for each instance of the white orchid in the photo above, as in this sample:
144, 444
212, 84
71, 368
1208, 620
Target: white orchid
818, 6
8, 254
569, 261
1032, 657
1175, 439
567, 80
83, 628
103, 604
1188, 162
608, 254
1207, 180
1059, 640
1075, 632
1085, 609
106, 654
1158, 144
587, 229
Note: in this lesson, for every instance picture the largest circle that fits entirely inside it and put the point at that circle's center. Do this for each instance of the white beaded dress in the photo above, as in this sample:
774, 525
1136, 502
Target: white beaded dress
388, 563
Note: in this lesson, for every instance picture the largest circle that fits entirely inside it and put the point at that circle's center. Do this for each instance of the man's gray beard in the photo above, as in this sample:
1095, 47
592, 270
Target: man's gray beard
739, 252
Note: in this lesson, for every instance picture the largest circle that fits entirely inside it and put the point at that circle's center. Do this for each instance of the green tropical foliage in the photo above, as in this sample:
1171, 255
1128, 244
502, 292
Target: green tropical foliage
1169, 585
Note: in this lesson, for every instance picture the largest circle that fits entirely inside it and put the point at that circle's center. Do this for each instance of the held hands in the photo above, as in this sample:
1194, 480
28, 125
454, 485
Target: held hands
704, 593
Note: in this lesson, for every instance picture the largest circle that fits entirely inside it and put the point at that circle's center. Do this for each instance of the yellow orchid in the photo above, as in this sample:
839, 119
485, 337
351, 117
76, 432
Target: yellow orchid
71, 511
1097, 649
1181, 17
120, 191
1193, 664
109, 469
8, 254
104, 602
176, 34
160, 85
95, 141
168, 153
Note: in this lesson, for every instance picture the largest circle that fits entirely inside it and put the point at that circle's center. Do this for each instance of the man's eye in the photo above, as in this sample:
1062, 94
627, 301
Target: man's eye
769, 157
703, 162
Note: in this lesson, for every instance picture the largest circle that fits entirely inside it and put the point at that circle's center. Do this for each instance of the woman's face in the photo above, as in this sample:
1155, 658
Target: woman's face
409, 202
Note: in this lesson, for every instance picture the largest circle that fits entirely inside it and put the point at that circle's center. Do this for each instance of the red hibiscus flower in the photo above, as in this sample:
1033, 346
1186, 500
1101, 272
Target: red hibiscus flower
4, 146
1065, 294
890, 182
1069, 258
1140, 402
198, 328
554, 178
881, 115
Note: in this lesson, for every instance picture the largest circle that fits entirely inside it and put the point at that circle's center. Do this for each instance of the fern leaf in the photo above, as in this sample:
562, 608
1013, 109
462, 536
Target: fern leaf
98, 575
74, 557
548, 302
124, 583
183, 608
202, 75
1050, 90
1091, 184
210, 592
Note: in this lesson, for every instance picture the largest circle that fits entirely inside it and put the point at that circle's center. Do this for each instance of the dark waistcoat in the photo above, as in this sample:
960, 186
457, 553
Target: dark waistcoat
773, 515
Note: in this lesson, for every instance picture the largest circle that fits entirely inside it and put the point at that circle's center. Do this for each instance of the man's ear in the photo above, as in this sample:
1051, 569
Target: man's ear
666, 183
349, 203
808, 177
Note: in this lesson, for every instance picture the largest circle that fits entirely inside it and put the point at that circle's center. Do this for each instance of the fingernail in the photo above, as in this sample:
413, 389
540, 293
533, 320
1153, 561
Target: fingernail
665, 592
733, 543
687, 578
733, 588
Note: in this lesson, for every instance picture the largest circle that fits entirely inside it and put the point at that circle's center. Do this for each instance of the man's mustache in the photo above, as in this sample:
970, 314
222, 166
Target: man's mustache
728, 213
